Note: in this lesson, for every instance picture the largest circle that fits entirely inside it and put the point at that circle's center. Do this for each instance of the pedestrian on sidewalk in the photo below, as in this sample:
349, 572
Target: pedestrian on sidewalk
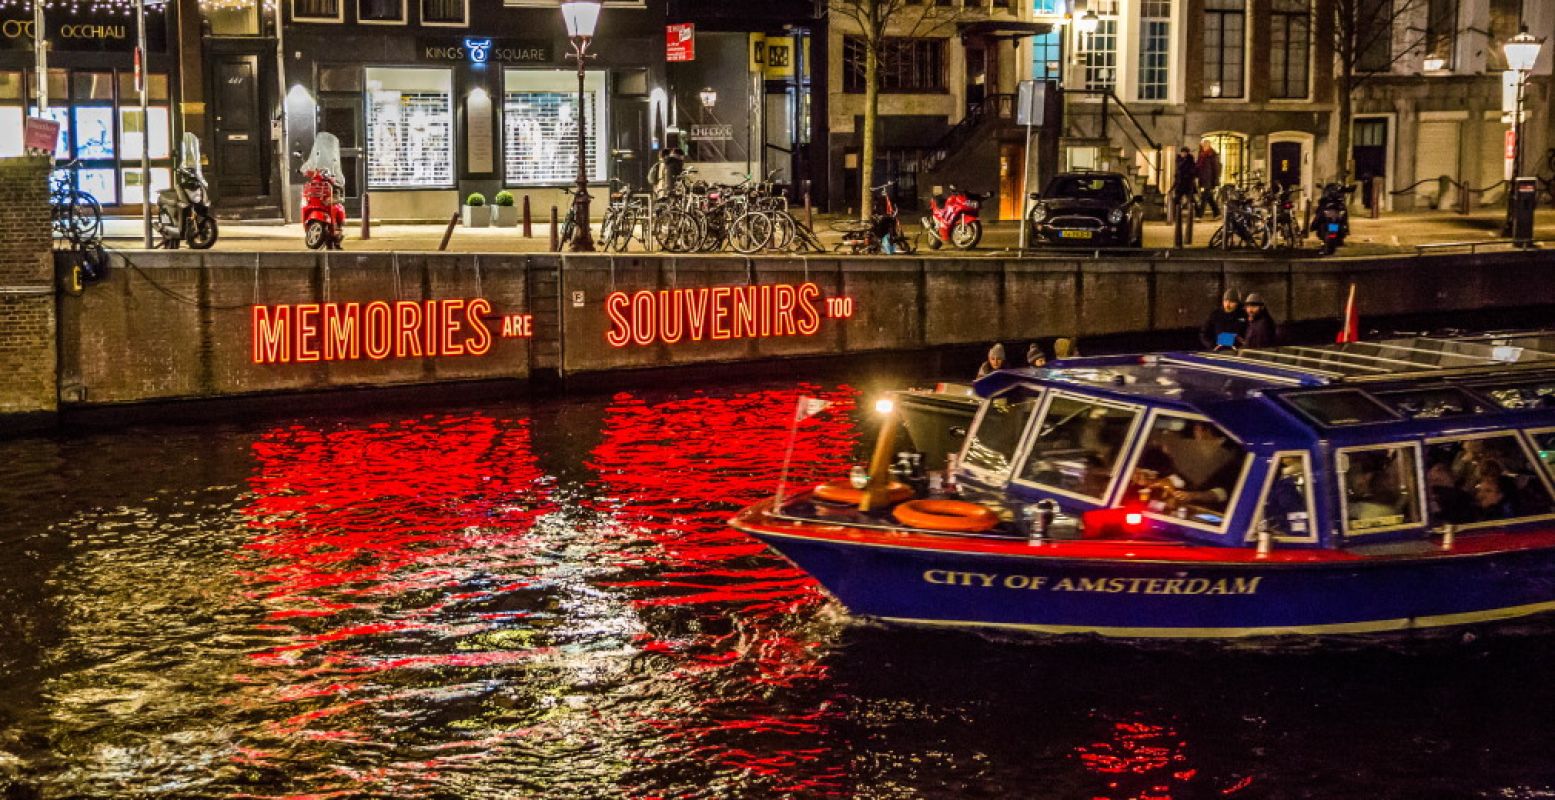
1260, 329
995, 361
1185, 181
1226, 325
1209, 178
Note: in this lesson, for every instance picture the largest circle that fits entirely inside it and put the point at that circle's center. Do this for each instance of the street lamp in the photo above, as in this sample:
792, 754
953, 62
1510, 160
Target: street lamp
1088, 22
709, 98
1522, 51
581, 16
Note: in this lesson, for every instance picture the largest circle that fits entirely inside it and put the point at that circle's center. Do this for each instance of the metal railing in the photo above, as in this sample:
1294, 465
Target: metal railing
995, 106
1109, 100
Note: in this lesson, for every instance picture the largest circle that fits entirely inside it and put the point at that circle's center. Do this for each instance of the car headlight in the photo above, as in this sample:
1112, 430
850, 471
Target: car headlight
1115, 216
1038, 213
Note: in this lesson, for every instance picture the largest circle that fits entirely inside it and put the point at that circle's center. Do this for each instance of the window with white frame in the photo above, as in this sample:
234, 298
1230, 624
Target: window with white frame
1047, 50
1155, 41
1290, 39
380, 10
410, 124
1098, 51
1225, 47
445, 12
540, 126
317, 10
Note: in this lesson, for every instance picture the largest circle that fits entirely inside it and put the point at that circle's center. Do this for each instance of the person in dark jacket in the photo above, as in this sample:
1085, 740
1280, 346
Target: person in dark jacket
1209, 178
995, 360
1259, 327
1228, 319
1185, 180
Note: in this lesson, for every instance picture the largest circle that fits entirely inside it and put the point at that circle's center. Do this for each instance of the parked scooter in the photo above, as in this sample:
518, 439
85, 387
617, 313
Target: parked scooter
323, 209
184, 211
1331, 221
955, 221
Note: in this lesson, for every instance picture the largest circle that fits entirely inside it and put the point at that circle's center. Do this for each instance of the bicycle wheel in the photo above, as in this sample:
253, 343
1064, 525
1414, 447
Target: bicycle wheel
750, 233
784, 230
86, 216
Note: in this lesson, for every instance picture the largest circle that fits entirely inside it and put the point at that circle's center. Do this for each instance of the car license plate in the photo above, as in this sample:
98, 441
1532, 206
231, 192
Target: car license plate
1333, 227
1074, 234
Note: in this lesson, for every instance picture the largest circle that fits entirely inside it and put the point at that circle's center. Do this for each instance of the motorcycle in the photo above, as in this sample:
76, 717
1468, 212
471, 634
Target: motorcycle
955, 221
184, 211
323, 212
1331, 222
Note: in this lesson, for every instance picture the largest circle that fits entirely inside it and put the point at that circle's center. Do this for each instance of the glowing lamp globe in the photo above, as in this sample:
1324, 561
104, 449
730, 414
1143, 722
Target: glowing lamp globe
709, 97
1522, 51
581, 17
1088, 22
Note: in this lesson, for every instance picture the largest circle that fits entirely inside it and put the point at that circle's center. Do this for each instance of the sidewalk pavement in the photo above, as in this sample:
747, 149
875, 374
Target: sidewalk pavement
1393, 233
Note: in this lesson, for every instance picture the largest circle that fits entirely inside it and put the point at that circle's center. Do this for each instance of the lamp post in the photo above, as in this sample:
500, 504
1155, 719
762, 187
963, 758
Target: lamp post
1522, 52
709, 98
581, 16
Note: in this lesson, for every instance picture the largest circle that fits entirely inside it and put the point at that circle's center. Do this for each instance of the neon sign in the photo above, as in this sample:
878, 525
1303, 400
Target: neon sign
719, 313
480, 50
308, 332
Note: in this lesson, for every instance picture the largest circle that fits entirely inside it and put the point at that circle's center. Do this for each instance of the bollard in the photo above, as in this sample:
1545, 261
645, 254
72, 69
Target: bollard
1376, 198
809, 215
448, 233
528, 230
556, 245
1177, 224
1189, 211
367, 216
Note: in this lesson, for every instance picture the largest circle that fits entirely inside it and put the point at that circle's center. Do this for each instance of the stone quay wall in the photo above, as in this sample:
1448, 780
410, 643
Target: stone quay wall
27, 311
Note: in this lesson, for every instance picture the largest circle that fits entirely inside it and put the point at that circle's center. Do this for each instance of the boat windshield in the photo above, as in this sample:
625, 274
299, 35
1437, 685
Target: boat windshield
1077, 446
1189, 469
991, 444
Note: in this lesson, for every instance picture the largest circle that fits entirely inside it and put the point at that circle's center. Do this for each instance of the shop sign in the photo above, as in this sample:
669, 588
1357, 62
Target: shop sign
680, 42
719, 313
484, 50
40, 134
712, 133
81, 30
310, 332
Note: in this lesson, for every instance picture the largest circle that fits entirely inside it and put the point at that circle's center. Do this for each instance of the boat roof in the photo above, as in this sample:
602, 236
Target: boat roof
1414, 382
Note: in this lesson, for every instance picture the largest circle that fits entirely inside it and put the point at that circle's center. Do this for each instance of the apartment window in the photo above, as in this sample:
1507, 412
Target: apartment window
1506, 17
540, 127
444, 12
1047, 56
410, 124
234, 18
1441, 31
317, 10
1098, 52
906, 65
380, 10
1225, 47
1374, 35
1154, 48
1290, 40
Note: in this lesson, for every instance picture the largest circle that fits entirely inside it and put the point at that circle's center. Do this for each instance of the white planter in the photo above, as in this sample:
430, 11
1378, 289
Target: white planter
476, 216
504, 216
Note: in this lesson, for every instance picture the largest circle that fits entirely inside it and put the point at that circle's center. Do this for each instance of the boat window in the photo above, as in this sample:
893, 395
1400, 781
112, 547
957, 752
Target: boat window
1343, 407
1287, 503
1531, 394
1544, 443
1483, 479
1381, 488
1441, 401
1188, 469
1077, 446
991, 444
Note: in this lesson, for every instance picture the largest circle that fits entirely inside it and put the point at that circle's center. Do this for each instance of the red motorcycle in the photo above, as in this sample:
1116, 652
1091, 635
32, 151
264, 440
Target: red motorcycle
323, 213
955, 221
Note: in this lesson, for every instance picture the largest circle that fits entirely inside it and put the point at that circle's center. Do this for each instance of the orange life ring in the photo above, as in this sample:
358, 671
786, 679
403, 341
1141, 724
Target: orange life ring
945, 515
842, 491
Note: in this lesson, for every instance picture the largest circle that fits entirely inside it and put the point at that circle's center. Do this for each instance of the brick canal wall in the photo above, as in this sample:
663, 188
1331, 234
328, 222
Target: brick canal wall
182, 325
27, 322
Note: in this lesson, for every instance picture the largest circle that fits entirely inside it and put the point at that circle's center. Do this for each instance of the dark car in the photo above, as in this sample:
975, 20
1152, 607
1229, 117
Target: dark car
1090, 208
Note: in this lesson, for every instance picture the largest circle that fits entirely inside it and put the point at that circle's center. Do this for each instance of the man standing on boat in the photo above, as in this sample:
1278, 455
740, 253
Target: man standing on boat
1259, 323
1226, 325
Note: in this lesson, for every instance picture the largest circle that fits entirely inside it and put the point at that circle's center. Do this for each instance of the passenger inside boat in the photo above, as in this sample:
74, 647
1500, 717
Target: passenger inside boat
1380, 488
1483, 479
1078, 446
1285, 511
1189, 468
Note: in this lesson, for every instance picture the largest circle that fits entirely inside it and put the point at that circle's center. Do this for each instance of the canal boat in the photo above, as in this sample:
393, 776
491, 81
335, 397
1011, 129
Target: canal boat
1360, 488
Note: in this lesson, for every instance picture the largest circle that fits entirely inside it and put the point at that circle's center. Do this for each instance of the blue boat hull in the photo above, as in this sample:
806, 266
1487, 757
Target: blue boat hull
1132, 598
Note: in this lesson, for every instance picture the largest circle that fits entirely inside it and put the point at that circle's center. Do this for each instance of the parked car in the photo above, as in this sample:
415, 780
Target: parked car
1088, 208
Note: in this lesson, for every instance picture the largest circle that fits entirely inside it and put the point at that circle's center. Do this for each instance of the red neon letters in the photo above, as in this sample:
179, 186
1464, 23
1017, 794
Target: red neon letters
306, 332
714, 313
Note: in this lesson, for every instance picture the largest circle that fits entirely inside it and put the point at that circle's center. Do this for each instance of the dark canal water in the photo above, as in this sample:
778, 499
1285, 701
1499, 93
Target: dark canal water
541, 600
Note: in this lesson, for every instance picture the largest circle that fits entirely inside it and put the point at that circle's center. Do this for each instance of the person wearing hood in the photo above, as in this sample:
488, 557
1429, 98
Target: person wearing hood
1035, 358
1226, 325
1258, 323
995, 361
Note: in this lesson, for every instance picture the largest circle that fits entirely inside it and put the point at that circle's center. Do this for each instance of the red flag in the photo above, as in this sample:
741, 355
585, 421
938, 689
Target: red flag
1351, 332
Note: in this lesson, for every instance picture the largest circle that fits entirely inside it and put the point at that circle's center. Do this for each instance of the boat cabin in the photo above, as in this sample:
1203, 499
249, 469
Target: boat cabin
1349, 445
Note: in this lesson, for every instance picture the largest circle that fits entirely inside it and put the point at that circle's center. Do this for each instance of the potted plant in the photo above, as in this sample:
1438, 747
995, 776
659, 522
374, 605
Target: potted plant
474, 211
503, 213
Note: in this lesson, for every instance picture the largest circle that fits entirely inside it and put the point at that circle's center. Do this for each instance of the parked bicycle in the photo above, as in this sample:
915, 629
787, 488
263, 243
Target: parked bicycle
881, 233
77, 219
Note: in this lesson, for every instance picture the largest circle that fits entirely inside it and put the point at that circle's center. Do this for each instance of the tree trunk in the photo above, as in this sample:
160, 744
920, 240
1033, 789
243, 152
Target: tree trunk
866, 166
1342, 135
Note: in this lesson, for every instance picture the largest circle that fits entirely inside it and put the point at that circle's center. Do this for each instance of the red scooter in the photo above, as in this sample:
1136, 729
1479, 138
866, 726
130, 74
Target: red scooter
323, 213
955, 221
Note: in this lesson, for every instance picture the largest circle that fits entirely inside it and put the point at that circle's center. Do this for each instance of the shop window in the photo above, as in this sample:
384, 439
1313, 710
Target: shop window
1290, 41
540, 127
317, 11
1225, 47
1189, 470
380, 11
445, 12
1380, 488
130, 178
997, 432
340, 79
1154, 48
409, 128
1077, 446
1286, 509
94, 134
133, 132
1483, 479
906, 65
231, 17
1232, 148
12, 119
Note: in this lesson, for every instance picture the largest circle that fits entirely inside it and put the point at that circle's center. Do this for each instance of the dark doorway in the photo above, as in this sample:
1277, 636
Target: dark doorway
342, 116
1285, 158
239, 129
977, 75
1371, 156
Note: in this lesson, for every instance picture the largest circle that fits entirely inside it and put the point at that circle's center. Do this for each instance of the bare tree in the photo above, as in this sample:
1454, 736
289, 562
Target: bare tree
877, 24
1369, 38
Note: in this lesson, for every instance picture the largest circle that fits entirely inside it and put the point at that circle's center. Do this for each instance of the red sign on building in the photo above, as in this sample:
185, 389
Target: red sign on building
680, 42
40, 134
